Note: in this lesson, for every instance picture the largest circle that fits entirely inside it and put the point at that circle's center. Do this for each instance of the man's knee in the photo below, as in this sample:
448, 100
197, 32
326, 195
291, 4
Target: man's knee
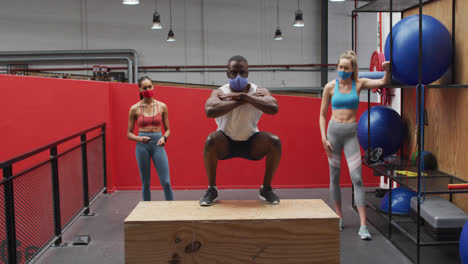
275, 142
211, 140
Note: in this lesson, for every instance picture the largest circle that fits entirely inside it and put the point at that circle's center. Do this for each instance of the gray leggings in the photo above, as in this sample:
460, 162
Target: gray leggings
343, 136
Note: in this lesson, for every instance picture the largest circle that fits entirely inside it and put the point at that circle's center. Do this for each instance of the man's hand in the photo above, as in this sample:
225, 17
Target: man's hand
230, 96
260, 93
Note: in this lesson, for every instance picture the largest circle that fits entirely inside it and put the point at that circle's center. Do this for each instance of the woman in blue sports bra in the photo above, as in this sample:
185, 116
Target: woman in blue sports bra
341, 134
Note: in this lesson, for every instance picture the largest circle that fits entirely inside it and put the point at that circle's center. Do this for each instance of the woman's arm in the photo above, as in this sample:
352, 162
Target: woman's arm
326, 96
167, 130
131, 126
370, 83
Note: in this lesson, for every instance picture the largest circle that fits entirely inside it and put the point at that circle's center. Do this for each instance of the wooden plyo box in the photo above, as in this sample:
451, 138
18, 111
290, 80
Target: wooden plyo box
180, 232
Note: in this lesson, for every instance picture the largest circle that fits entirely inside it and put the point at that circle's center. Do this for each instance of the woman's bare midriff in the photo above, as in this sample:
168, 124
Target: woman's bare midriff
150, 129
344, 115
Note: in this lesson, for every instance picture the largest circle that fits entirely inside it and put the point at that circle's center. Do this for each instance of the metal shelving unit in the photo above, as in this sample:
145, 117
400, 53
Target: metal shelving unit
404, 232
435, 182
389, 6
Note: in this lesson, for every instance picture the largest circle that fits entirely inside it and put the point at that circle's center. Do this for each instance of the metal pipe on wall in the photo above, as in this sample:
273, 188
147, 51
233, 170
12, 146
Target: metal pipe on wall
132, 52
65, 52
278, 67
250, 66
50, 59
324, 42
172, 70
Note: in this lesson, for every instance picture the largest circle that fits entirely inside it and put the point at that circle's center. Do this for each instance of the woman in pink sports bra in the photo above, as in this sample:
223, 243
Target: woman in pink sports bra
150, 115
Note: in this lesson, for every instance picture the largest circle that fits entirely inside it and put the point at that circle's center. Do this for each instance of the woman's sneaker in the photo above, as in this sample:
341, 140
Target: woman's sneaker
364, 233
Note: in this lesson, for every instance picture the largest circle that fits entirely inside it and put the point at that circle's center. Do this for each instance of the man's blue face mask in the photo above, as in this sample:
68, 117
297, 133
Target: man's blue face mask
238, 83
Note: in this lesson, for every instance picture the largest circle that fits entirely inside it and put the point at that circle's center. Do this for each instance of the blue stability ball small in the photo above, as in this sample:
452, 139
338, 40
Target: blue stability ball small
430, 162
401, 201
386, 129
436, 50
463, 246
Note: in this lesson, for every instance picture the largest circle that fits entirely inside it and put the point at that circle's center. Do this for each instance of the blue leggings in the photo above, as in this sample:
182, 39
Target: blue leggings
144, 153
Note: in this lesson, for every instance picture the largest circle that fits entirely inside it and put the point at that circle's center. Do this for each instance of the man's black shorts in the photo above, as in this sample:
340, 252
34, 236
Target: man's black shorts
240, 149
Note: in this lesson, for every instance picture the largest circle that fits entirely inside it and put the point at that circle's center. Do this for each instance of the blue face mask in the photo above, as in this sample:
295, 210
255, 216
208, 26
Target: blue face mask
238, 83
344, 75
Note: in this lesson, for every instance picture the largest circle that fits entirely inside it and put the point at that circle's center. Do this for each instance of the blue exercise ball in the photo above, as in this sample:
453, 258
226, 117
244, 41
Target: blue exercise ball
429, 161
463, 245
386, 129
436, 50
401, 201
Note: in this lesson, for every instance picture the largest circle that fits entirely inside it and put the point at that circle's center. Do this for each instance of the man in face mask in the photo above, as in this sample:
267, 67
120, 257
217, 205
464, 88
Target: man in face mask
237, 107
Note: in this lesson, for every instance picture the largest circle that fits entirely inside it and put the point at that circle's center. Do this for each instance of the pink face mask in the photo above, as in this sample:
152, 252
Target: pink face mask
148, 94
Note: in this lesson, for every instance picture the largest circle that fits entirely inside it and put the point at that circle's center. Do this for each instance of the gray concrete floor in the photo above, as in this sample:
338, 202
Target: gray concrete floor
107, 231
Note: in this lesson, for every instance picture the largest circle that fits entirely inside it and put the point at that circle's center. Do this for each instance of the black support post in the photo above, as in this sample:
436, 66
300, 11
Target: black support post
453, 40
84, 160
10, 215
56, 195
324, 43
104, 162
420, 131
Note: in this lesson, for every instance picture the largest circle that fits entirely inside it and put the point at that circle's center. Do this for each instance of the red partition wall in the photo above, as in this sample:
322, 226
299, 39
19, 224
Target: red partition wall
38, 111
303, 164
122, 166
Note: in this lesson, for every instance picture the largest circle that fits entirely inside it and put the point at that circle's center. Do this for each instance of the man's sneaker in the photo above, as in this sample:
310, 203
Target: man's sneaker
266, 194
210, 196
365, 235
341, 224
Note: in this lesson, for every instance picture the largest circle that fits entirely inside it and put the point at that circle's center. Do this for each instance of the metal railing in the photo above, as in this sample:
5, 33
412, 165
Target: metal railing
38, 203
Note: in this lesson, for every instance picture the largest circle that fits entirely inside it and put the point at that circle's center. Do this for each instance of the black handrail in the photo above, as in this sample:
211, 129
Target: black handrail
9, 162
8, 183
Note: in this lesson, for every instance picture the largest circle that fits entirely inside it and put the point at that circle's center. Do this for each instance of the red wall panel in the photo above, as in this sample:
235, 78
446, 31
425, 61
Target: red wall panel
303, 163
41, 110
37, 111
122, 164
